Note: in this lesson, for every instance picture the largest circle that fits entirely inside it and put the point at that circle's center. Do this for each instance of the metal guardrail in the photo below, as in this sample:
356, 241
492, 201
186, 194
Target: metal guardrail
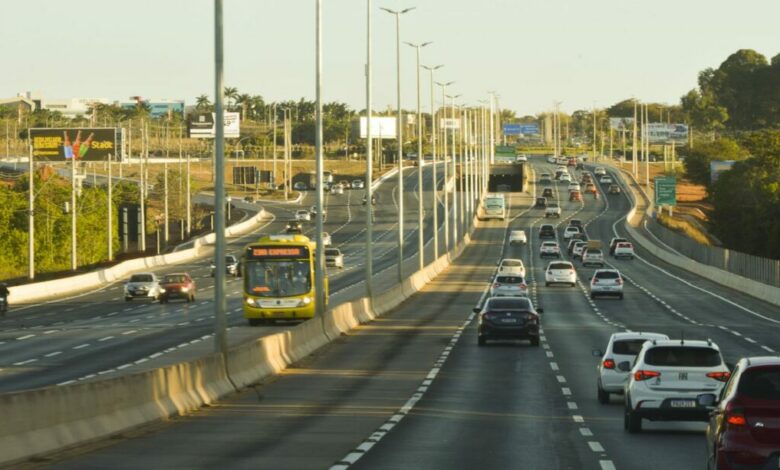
764, 270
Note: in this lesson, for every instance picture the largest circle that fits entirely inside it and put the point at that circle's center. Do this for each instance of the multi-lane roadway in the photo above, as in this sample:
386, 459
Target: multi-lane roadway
413, 389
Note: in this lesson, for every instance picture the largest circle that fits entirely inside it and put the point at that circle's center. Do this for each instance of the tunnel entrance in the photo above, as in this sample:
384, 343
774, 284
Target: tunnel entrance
506, 178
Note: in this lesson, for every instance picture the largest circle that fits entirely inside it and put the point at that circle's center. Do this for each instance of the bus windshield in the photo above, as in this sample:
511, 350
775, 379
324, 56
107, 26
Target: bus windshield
278, 278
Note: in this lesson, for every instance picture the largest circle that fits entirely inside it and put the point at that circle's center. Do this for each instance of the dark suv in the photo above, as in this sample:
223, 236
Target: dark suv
547, 231
541, 202
547, 192
744, 427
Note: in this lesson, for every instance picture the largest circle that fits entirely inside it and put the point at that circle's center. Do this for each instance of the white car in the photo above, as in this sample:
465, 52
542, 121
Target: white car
517, 237
570, 231
606, 282
143, 285
593, 256
511, 266
606, 179
549, 249
600, 171
671, 379
302, 215
326, 240
521, 158
358, 184
334, 257
300, 186
574, 187
509, 286
624, 250
579, 247
560, 272
622, 347
565, 177
552, 210
337, 189
551, 159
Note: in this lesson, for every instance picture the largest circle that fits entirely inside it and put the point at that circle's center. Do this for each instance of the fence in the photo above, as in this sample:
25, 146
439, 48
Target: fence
759, 269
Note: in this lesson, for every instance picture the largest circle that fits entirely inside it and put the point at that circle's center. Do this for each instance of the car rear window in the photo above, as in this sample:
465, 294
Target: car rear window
141, 278
332, 252
560, 266
512, 263
762, 384
624, 245
606, 274
175, 279
628, 346
553, 205
682, 356
514, 303
549, 244
509, 279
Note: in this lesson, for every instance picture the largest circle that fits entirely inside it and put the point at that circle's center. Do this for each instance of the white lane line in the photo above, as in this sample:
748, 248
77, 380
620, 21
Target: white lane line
22, 338
606, 465
28, 361
67, 382
141, 361
106, 338
595, 446
750, 340
571, 405
578, 419
561, 379
767, 348
81, 346
586, 432
130, 332
554, 366
52, 354
155, 355
124, 366
50, 332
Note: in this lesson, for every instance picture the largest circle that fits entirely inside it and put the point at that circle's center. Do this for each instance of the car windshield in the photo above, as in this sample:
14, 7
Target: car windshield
683, 356
761, 383
513, 303
141, 278
629, 347
274, 278
594, 252
509, 280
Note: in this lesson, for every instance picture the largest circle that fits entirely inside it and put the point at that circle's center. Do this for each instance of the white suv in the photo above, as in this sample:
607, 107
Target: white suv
549, 249
622, 348
511, 266
552, 210
560, 272
606, 282
624, 250
593, 256
517, 237
570, 231
671, 381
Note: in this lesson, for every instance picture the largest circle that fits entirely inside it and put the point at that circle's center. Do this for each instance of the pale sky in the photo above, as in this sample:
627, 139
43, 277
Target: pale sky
531, 52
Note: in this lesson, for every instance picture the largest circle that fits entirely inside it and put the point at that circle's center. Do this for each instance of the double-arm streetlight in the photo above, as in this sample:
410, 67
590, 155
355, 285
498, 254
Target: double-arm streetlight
435, 193
420, 238
400, 134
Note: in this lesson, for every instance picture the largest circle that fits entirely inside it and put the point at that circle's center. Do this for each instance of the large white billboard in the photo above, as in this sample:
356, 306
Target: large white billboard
621, 124
449, 123
381, 127
662, 133
201, 125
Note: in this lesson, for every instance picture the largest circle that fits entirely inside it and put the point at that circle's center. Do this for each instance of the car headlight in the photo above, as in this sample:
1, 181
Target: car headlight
162, 291
185, 289
250, 301
304, 302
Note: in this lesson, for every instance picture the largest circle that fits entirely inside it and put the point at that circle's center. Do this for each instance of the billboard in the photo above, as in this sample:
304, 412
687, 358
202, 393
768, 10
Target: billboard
93, 144
201, 125
244, 174
661, 133
521, 129
511, 129
449, 123
719, 166
665, 190
381, 127
621, 123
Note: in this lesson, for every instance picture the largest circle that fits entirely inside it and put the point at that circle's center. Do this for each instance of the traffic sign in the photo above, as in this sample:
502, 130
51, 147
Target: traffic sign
511, 129
665, 190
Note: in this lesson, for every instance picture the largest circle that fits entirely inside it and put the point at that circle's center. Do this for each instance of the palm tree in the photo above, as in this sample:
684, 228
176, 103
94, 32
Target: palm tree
245, 100
231, 93
202, 103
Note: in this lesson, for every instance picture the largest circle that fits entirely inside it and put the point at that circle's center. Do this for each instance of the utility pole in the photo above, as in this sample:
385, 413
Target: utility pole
446, 171
434, 182
31, 215
369, 165
319, 267
633, 145
220, 302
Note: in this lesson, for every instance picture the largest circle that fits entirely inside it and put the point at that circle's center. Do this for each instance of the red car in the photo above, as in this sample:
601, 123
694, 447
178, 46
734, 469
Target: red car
744, 427
177, 286
575, 196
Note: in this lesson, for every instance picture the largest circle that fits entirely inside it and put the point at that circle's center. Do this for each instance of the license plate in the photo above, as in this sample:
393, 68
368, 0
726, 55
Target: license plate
508, 320
682, 404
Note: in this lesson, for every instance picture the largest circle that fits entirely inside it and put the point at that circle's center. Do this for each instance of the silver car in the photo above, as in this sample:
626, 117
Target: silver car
143, 285
606, 282
509, 286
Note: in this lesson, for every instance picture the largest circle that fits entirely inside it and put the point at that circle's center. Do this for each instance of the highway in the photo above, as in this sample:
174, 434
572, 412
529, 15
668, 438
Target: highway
413, 389
97, 334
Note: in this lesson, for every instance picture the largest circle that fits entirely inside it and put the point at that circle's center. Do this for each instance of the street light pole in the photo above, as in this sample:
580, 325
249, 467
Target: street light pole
420, 231
454, 172
400, 134
369, 163
319, 267
220, 316
446, 170
435, 193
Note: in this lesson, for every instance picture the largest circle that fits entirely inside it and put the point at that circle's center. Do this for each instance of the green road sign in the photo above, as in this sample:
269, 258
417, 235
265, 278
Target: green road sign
665, 190
505, 153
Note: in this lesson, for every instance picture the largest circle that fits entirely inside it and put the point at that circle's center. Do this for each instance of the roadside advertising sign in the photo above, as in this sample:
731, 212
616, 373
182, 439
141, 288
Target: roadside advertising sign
529, 129
719, 166
93, 144
381, 127
449, 123
201, 125
621, 124
511, 129
662, 133
665, 190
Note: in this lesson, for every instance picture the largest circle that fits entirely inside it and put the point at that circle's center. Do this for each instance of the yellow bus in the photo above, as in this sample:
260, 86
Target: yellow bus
279, 279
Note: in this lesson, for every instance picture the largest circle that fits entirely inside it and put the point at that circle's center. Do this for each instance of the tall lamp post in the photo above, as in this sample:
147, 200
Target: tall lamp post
369, 158
420, 237
446, 171
454, 172
400, 133
435, 193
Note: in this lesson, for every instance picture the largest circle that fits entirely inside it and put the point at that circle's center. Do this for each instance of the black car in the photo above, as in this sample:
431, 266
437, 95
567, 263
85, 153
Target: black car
547, 192
547, 231
541, 202
508, 318
294, 226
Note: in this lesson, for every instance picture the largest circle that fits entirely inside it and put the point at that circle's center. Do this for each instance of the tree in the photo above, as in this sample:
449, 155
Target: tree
702, 112
245, 101
697, 159
203, 103
231, 93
